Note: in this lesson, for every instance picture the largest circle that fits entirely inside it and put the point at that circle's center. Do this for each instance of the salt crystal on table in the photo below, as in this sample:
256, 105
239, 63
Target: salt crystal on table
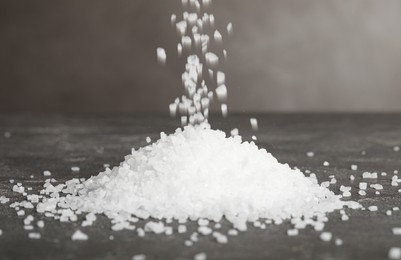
138, 257
79, 235
397, 230
326, 236
394, 253
200, 256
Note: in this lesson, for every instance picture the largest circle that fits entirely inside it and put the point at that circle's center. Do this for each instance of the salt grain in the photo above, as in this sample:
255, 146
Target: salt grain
138, 257
79, 235
394, 253
326, 236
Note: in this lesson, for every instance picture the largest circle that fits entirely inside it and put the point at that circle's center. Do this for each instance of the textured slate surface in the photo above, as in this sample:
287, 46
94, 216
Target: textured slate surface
57, 143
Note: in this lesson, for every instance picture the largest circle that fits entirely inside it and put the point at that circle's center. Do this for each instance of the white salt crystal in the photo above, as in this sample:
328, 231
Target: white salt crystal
394, 253
232, 232
234, 132
396, 208
1, 232
221, 78
362, 193
148, 140
254, 124
384, 174
40, 224
397, 231
182, 229
75, 169
363, 185
220, 238
310, 154
352, 177
217, 37
292, 232
326, 163
34, 235
230, 28
173, 18
138, 257
205, 230
212, 59
354, 167
396, 148
372, 208
79, 235
376, 186
326, 236
389, 212
188, 243
155, 227
368, 175
161, 56
21, 213
224, 110
338, 242
47, 173
221, 92
200, 256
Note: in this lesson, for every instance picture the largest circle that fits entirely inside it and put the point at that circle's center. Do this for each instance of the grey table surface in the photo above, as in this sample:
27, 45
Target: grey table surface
56, 143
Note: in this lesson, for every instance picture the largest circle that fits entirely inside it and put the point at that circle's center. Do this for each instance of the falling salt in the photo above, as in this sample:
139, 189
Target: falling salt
254, 124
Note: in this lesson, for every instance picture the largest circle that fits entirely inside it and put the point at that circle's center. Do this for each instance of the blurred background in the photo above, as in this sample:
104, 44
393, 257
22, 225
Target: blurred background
98, 56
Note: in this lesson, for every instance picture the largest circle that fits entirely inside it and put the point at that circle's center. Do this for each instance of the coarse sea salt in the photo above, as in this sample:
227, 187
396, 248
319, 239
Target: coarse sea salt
195, 173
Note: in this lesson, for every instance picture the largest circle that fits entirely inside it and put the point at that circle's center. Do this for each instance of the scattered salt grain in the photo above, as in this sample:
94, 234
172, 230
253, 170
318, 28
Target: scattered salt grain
396, 231
34, 235
363, 185
338, 242
352, 177
75, 169
326, 236
354, 167
362, 193
232, 232
200, 256
220, 238
40, 224
79, 235
372, 208
396, 148
47, 173
326, 163
148, 140
368, 175
292, 232
138, 257
394, 253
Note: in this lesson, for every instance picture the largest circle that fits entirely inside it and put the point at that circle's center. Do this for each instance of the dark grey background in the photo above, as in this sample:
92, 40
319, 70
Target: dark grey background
98, 56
